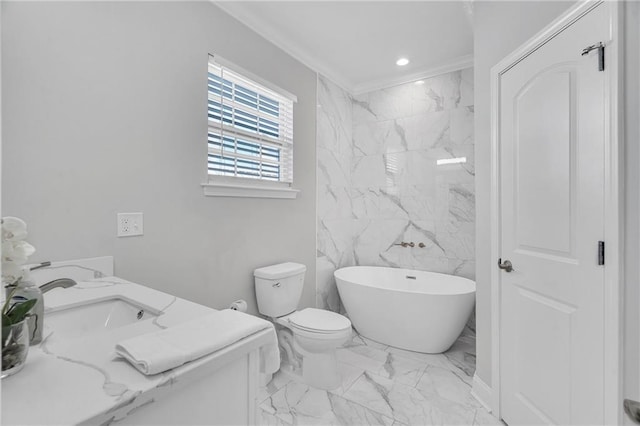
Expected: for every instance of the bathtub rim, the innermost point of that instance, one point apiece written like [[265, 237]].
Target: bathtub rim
[[405, 270]]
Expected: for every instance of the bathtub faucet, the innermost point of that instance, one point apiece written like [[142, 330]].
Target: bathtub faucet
[[411, 244], [403, 244]]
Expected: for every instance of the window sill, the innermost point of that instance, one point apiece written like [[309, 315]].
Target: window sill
[[248, 191]]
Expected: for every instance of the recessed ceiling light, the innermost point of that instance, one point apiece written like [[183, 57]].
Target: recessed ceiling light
[[419, 82], [402, 62]]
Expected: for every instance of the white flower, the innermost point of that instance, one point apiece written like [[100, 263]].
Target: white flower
[[11, 272], [16, 251], [13, 229]]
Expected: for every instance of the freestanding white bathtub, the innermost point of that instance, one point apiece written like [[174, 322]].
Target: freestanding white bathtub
[[414, 310]]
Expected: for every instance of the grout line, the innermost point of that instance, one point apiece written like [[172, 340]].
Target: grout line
[[351, 385], [364, 406], [421, 376]]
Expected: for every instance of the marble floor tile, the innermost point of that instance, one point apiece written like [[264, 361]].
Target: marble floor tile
[[278, 381], [349, 374], [445, 384], [300, 404], [382, 385], [435, 360], [402, 370], [484, 418], [358, 340], [407, 404], [463, 354], [268, 419], [365, 357], [350, 413]]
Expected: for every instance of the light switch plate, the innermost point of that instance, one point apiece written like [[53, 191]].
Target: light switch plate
[[130, 224]]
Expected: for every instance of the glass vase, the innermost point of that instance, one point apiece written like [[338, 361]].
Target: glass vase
[[15, 347]]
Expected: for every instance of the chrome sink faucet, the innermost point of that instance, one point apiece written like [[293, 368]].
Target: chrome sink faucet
[[60, 282], [31, 291]]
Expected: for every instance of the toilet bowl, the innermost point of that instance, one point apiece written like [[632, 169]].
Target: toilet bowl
[[317, 333]]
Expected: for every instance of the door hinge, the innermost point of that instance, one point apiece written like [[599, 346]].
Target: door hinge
[[600, 252], [600, 47]]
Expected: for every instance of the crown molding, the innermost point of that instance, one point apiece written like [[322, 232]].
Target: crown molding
[[310, 61], [456, 64], [256, 25]]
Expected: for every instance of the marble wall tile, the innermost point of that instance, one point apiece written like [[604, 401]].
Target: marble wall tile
[[378, 137], [384, 104], [326, 290], [387, 187], [365, 202], [454, 173], [409, 168], [419, 201], [377, 236], [390, 204], [463, 268], [333, 168], [367, 171], [466, 87], [335, 240], [428, 130], [335, 111], [439, 93], [336, 202], [461, 126]]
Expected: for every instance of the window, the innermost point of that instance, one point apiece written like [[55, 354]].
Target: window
[[250, 135]]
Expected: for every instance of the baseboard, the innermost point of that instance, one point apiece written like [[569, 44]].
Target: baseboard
[[482, 392]]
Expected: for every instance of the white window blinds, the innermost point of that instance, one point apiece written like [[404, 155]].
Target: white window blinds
[[250, 128]]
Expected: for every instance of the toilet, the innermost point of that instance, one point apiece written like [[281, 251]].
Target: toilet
[[309, 337]]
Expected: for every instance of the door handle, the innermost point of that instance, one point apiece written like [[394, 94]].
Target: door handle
[[632, 408], [506, 265]]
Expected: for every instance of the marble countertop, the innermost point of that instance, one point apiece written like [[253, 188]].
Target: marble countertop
[[81, 381]]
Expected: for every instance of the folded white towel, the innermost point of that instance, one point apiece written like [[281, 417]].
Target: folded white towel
[[163, 350]]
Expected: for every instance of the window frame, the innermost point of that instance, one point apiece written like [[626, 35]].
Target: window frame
[[235, 186]]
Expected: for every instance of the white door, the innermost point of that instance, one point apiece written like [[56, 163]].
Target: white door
[[552, 132]]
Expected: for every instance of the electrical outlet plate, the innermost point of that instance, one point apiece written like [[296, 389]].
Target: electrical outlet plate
[[130, 224]]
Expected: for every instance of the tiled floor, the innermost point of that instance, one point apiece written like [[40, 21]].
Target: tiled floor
[[384, 386]]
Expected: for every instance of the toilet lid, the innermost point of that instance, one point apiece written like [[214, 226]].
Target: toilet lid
[[319, 320]]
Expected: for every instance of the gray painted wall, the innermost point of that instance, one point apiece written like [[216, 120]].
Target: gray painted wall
[[104, 111]]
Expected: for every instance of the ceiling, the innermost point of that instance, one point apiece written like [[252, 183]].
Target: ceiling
[[356, 43]]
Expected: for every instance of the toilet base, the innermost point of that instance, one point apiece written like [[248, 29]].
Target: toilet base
[[321, 370], [301, 363], [315, 373], [318, 370]]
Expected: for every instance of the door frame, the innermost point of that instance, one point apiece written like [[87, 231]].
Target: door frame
[[613, 194]]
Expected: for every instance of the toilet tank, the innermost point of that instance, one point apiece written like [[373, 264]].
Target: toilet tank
[[278, 288]]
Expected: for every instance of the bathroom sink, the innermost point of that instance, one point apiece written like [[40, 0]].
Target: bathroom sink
[[96, 317]]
